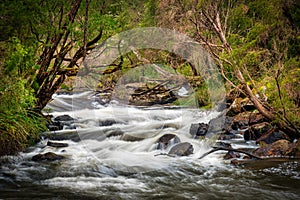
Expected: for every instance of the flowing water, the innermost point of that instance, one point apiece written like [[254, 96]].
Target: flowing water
[[102, 167]]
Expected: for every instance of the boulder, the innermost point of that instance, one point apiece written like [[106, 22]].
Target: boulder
[[50, 156], [294, 151], [199, 129], [61, 121], [219, 123], [57, 144], [257, 130], [279, 148], [167, 140], [245, 119], [272, 136], [182, 149], [64, 118]]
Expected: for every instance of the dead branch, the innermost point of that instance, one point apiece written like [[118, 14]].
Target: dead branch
[[230, 149]]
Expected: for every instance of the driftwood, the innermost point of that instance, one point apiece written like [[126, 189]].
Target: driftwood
[[230, 149]]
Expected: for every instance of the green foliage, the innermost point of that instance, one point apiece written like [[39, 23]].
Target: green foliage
[[185, 69], [21, 60], [287, 104], [150, 13], [19, 126], [200, 98]]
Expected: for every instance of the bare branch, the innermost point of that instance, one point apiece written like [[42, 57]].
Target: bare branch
[[229, 149]]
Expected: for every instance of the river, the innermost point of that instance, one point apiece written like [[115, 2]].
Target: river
[[101, 167]]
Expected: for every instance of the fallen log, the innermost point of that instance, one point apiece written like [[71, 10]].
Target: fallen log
[[230, 149]]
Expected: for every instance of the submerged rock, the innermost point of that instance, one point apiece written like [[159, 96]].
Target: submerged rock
[[50, 156], [182, 149], [62, 135], [62, 121], [57, 144], [167, 140], [131, 138], [107, 122]]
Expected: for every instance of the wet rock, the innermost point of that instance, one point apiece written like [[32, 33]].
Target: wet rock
[[64, 118], [99, 134], [107, 122], [219, 123], [131, 138], [199, 129], [167, 140], [272, 136], [62, 135], [229, 134], [57, 144], [278, 148], [53, 127], [256, 131], [138, 135], [182, 149], [294, 150], [50, 156], [245, 119], [256, 118]]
